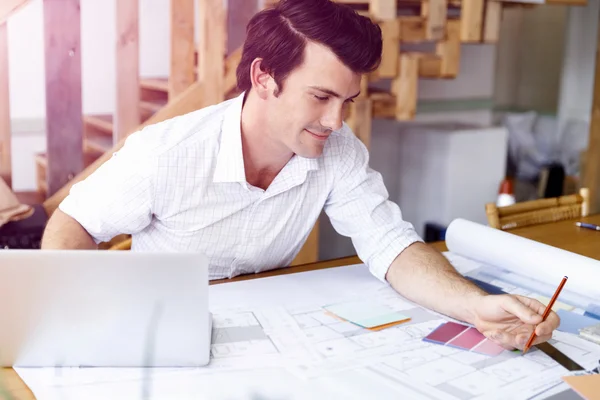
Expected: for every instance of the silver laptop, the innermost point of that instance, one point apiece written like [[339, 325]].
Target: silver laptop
[[103, 309]]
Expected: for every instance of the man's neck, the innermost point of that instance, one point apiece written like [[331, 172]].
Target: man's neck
[[264, 157]]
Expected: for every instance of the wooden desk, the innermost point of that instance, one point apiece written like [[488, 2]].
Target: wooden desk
[[564, 235]]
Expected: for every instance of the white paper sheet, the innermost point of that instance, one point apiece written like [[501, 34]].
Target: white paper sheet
[[523, 256]]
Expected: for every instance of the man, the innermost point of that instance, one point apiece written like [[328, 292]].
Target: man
[[244, 181]]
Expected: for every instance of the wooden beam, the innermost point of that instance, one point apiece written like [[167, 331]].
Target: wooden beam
[[127, 105], [181, 74], [405, 86], [449, 50], [384, 105], [13, 387], [382, 10], [430, 66], [5, 129], [239, 13], [412, 29], [211, 49], [591, 174], [491, 22], [64, 122], [361, 119], [230, 81], [188, 101], [435, 12], [360, 113], [8, 7], [390, 31], [309, 253], [471, 16]]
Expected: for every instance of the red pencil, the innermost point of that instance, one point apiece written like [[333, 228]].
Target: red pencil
[[546, 312]]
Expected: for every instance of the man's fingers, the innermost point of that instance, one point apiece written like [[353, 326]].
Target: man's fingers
[[504, 339], [516, 307], [548, 326], [541, 339], [522, 338], [535, 305]]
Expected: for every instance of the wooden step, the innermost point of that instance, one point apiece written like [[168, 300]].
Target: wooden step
[[149, 108], [154, 90], [101, 123], [384, 104], [41, 161], [156, 84], [97, 143], [30, 198], [89, 157]]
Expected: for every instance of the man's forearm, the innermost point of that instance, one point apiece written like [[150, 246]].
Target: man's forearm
[[423, 275], [63, 232]]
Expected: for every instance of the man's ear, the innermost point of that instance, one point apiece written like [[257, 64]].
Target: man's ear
[[262, 82]]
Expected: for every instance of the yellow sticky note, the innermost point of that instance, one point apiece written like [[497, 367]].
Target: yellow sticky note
[[557, 304]]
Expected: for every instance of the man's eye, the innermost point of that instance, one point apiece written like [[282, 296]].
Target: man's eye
[[320, 98]]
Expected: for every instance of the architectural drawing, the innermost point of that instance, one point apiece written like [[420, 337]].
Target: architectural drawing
[[430, 371]]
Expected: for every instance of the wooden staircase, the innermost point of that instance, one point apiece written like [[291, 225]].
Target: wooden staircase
[[198, 82], [98, 129]]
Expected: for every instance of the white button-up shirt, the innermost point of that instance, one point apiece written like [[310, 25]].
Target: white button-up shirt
[[180, 185]]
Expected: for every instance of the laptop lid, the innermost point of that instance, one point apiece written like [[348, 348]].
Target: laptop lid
[[103, 309]]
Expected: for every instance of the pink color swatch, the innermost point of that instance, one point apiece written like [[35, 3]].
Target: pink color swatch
[[463, 337], [467, 340], [445, 332], [488, 347]]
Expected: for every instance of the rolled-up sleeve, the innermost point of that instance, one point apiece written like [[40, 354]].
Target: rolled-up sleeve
[[359, 208], [118, 197]]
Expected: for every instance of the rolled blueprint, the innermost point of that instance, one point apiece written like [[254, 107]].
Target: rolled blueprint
[[525, 257]]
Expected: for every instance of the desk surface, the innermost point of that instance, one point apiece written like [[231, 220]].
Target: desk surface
[[564, 235]]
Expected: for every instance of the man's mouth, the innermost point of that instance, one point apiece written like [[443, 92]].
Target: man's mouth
[[321, 136]]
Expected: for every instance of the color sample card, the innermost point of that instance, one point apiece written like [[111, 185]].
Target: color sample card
[[463, 337], [467, 340], [366, 314], [445, 332], [572, 323]]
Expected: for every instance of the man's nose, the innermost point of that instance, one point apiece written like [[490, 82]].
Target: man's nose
[[333, 120]]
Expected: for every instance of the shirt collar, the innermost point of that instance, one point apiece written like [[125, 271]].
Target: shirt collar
[[230, 159]]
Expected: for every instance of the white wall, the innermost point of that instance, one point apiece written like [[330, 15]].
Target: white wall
[[530, 54], [579, 62], [475, 79], [26, 62]]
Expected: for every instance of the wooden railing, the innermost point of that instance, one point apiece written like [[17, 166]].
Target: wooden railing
[[5, 129], [7, 8], [184, 89]]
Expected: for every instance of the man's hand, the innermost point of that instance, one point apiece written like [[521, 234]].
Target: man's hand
[[509, 320]]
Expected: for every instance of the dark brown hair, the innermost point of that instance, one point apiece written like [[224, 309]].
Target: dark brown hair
[[278, 35]]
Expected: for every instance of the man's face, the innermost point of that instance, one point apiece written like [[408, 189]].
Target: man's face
[[313, 102]]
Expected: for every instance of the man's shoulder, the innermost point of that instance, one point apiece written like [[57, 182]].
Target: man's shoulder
[[181, 131]]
